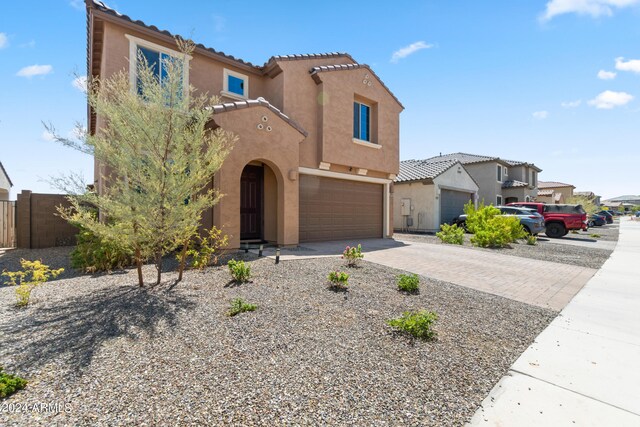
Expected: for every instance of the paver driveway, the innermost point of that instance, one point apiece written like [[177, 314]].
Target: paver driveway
[[542, 283]]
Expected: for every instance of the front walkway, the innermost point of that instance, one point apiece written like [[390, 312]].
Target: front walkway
[[542, 283], [584, 368]]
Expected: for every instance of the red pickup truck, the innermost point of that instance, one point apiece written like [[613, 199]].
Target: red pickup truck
[[558, 219]]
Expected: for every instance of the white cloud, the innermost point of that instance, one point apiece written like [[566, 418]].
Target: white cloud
[[593, 8], [77, 4], [4, 40], [47, 136], [35, 70], [29, 44], [219, 23], [606, 75], [571, 104], [609, 99], [80, 83], [540, 115], [408, 50], [630, 65]]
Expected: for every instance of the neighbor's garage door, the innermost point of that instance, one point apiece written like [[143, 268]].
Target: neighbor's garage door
[[335, 209], [452, 204]]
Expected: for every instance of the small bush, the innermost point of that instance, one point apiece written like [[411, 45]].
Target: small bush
[[9, 384], [451, 234], [408, 282], [93, 253], [477, 219], [33, 274], [490, 229], [418, 324], [532, 240], [240, 271], [238, 306], [206, 249], [595, 235], [353, 255], [338, 279]]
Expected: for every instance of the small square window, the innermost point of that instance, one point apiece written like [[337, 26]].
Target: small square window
[[235, 84], [361, 121]]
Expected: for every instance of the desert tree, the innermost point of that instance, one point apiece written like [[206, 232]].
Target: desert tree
[[157, 156]]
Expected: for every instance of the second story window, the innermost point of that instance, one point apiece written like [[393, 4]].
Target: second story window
[[361, 121], [499, 173], [156, 61], [235, 85], [534, 177]]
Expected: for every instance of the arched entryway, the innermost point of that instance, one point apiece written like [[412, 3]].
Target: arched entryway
[[259, 191], [510, 200]]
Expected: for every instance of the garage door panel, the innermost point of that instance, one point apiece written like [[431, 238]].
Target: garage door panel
[[452, 204], [332, 209]]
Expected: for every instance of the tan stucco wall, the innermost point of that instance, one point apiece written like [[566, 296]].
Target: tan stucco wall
[[485, 174], [278, 149], [423, 205], [5, 186]]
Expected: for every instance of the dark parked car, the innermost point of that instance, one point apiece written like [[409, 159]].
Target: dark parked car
[[532, 221], [596, 220], [607, 216]]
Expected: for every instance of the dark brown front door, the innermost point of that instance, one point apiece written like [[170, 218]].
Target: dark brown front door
[[251, 203]]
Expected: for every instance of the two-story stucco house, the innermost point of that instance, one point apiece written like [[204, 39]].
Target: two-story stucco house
[[318, 134], [554, 192], [499, 181]]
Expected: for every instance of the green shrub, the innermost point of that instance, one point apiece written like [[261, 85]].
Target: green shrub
[[408, 282], [238, 306], [353, 255], [419, 324], [532, 240], [595, 235], [451, 234], [93, 253], [240, 271], [478, 218], [206, 249], [9, 384], [33, 274], [338, 279], [490, 229]]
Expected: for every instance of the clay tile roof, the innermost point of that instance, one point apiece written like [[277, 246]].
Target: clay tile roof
[[514, 184], [342, 67], [466, 158], [99, 5], [237, 105], [552, 184], [296, 57], [417, 170], [548, 192], [6, 174]]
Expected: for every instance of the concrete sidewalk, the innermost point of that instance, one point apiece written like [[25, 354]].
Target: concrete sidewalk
[[584, 368]]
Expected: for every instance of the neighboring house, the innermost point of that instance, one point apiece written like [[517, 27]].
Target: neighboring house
[[318, 134], [622, 203], [552, 192], [500, 181], [430, 193], [5, 183], [589, 195]]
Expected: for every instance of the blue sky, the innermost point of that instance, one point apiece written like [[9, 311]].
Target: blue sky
[[556, 83]]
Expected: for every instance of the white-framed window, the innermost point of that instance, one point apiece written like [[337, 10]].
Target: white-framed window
[[156, 56], [527, 198], [499, 175], [498, 200], [235, 85], [534, 179], [361, 121], [505, 171]]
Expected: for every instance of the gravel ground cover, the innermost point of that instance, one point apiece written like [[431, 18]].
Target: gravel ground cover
[[117, 354], [547, 249]]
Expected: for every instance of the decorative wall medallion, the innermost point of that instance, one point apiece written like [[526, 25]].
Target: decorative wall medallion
[[265, 118], [269, 129], [367, 80], [260, 126]]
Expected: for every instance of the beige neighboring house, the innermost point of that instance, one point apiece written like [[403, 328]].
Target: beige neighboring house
[[5, 183], [318, 144], [552, 192], [427, 194], [589, 195], [500, 181]]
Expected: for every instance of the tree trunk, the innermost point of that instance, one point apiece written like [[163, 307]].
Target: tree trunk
[[159, 266], [139, 266], [183, 259]]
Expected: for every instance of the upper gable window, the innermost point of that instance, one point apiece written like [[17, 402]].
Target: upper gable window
[[235, 85], [362, 121], [157, 57], [499, 173]]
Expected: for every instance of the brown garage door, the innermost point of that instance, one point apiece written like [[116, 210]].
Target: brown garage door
[[335, 209]]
